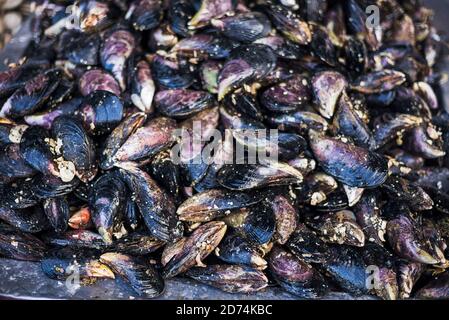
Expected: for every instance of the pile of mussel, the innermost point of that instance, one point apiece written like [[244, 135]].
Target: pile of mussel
[[358, 201]]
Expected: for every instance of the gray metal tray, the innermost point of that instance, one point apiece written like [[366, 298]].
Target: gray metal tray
[[25, 280]]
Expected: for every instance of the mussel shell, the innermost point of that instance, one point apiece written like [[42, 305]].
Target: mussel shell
[[157, 208], [75, 239], [230, 278], [76, 146], [96, 15], [146, 14], [166, 173], [181, 103], [180, 12], [244, 27], [236, 250], [12, 163], [250, 176], [215, 203], [246, 63], [347, 268], [210, 9], [204, 46], [101, 111], [98, 79], [295, 276], [115, 50], [30, 220], [307, 246], [46, 186], [32, 95], [289, 24], [327, 87], [118, 137], [137, 244], [354, 166], [20, 246], [58, 212], [191, 253], [19, 195], [80, 48], [106, 200], [143, 278], [170, 74], [287, 96], [147, 141]]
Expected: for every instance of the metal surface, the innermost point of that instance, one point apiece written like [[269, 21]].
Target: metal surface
[[25, 280]]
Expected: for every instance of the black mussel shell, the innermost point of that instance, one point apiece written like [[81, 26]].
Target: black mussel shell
[[80, 48], [107, 200], [171, 74], [31, 220], [182, 103], [58, 213], [20, 246], [100, 112], [76, 146], [146, 14]]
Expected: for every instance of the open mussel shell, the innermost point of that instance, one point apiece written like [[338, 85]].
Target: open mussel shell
[[20, 246], [196, 248], [296, 276], [143, 278], [230, 278]]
